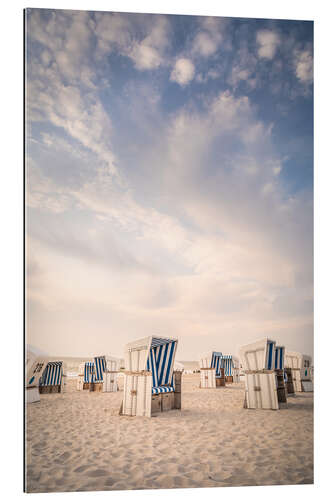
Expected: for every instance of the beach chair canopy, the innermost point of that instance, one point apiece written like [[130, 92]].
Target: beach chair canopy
[[293, 360], [52, 374], [297, 360], [154, 354], [212, 360], [216, 363], [279, 357], [258, 355], [228, 364], [100, 367], [35, 372], [89, 372]]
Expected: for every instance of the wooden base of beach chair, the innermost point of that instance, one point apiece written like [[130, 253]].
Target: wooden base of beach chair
[[281, 388], [97, 387], [167, 401], [86, 386], [45, 389], [289, 384], [220, 382], [156, 404], [229, 379], [178, 401], [178, 390]]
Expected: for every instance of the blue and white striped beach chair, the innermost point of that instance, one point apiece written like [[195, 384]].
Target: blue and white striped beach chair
[[89, 374], [52, 377], [150, 383], [106, 372], [231, 368], [211, 373]]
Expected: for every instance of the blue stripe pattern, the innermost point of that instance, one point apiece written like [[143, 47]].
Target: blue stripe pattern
[[279, 358], [52, 374], [158, 390], [270, 356], [89, 372], [216, 363], [228, 365], [160, 363], [100, 366]]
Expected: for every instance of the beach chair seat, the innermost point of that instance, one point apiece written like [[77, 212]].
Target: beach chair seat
[[159, 390]]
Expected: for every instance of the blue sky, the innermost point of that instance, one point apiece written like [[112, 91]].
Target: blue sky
[[169, 181]]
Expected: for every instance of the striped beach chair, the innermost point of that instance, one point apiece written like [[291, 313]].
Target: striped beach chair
[[150, 383], [211, 370], [89, 374], [52, 378], [106, 372], [231, 368]]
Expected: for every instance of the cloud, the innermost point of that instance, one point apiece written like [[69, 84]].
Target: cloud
[[210, 36], [54, 93], [183, 72], [145, 57], [304, 66], [268, 42], [204, 44], [120, 32]]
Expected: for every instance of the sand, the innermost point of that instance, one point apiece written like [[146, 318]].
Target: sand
[[76, 441]]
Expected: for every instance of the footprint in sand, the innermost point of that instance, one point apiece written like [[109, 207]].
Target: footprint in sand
[[82, 468], [97, 473]]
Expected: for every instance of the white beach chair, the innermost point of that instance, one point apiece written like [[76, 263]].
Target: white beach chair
[[258, 360], [300, 365], [33, 374]]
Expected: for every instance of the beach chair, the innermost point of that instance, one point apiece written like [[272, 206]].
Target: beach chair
[[151, 385], [300, 366], [88, 375], [230, 364], [33, 374], [211, 371], [51, 380], [258, 362], [106, 372]]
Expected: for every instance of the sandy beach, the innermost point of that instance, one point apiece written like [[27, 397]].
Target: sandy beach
[[76, 441]]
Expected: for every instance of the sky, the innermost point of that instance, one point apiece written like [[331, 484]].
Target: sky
[[169, 181]]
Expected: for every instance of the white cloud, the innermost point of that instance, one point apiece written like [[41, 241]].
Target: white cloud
[[304, 66], [267, 41], [119, 32], [210, 37], [183, 72], [145, 57], [204, 44]]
